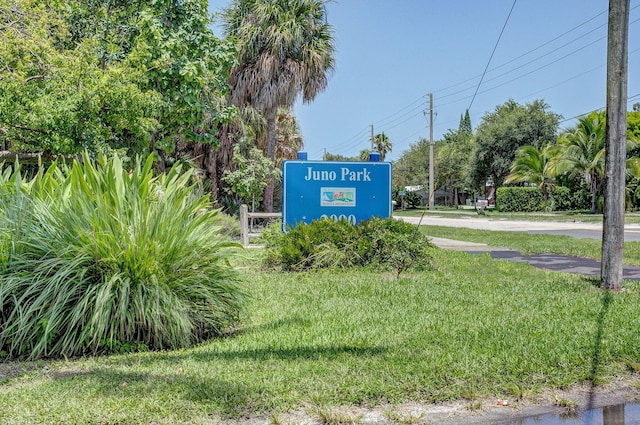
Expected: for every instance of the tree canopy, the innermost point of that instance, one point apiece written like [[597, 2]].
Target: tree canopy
[[109, 74], [285, 49], [501, 133]]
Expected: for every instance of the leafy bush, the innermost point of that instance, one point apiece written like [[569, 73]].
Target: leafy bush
[[562, 198], [413, 199], [567, 199], [408, 200], [96, 258], [519, 199], [529, 199], [378, 243]]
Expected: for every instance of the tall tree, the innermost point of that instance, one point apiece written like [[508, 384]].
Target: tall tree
[[453, 160], [501, 133], [285, 48], [383, 144], [411, 168], [583, 153], [110, 74]]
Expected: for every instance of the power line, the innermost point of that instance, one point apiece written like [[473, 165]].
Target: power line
[[492, 53]]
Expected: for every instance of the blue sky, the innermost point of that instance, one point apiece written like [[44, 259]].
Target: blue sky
[[391, 53]]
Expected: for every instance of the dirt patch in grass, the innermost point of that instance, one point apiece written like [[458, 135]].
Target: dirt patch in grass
[[466, 412]]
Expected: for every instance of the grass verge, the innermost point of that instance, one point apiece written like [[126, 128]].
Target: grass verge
[[559, 216], [321, 339], [533, 243]]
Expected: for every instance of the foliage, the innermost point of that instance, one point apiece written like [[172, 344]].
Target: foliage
[[502, 132], [453, 159], [633, 185], [359, 338], [562, 199], [383, 144], [412, 167], [582, 153], [411, 199], [109, 75], [337, 157], [535, 166], [96, 257], [377, 243], [252, 175], [520, 199], [285, 49]]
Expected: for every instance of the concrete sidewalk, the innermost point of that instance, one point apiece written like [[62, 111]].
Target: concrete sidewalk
[[555, 262]]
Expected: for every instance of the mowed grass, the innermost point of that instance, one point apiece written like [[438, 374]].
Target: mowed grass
[[534, 243], [471, 328], [559, 216]]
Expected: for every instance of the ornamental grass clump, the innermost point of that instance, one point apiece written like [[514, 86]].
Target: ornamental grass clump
[[97, 258]]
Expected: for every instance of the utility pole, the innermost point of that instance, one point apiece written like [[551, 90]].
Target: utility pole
[[431, 185], [615, 145], [371, 137]]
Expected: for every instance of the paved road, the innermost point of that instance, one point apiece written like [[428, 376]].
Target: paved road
[[574, 229]]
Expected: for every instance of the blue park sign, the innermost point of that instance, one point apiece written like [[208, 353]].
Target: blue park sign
[[353, 191]]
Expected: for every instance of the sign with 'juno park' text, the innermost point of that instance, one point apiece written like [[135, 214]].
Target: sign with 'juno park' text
[[353, 191]]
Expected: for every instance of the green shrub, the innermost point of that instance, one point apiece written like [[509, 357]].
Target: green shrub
[[413, 199], [97, 258], [377, 243], [519, 199], [562, 198]]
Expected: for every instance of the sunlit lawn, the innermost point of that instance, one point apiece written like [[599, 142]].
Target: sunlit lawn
[[560, 216], [470, 328]]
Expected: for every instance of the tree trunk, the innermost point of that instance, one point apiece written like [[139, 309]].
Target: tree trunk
[[594, 195], [271, 154], [615, 145]]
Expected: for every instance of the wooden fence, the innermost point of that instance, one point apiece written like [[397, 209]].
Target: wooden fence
[[246, 216]]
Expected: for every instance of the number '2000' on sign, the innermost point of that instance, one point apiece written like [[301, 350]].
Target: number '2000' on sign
[[337, 197]]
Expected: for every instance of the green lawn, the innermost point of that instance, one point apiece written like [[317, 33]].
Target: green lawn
[[534, 243], [560, 216], [470, 328]]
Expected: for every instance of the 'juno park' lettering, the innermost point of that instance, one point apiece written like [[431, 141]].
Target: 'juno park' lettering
[[346, 174]]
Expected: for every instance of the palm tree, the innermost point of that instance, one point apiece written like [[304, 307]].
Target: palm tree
[[583, 151], [633, 176], [535, 166], [383, 144], [285, 48], [288, 137]]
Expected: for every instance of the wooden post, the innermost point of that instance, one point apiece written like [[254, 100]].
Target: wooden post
[[615, 145], [244, 225]]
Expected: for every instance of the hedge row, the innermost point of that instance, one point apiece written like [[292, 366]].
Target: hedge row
[[529, 199]]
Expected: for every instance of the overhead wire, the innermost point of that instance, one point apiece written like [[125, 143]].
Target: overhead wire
[[492, 53], [411, 110]]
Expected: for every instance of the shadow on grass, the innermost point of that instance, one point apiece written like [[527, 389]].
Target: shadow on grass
[[296, 353], [157, 393], [161, 381], [607, 298]]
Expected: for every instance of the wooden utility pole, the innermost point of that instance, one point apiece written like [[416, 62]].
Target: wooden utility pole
[[372, 149], [615, 145], [432, 195]]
